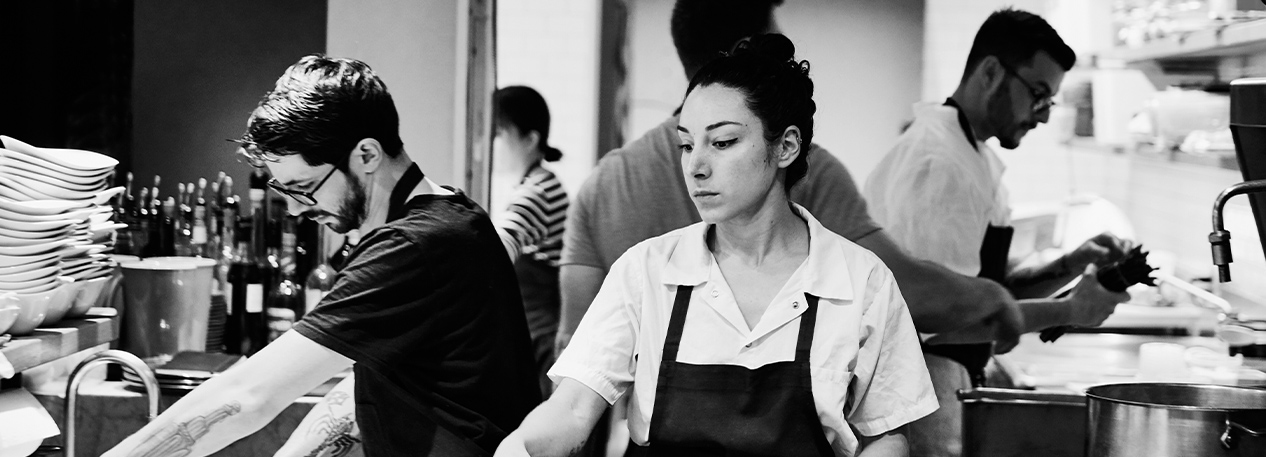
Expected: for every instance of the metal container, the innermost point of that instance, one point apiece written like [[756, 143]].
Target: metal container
[[1175, 420], [1010, 422]]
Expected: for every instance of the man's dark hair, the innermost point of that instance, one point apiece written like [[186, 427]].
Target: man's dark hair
[[320, 109], [705, 29], [1014, 37], [776, 87]]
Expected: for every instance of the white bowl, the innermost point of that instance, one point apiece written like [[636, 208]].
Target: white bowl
[[61, 302], [31, 275], [8, 241], [38, 289], [88, 295], [14, 261], [10, 157], [33, 250], [41, 190], [33, 307], [23, 176], [52, 262], [25, 194], [74, 159], [40, 207], [42, 226], [36, 235], [102, 198], [99, 218], [76, 216], [28, 285], [8, 163], [9, 310]]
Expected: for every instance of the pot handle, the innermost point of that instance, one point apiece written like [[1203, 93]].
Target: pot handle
[[1230, 438]]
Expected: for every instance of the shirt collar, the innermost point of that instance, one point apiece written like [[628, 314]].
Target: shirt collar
[[963, 122], [400, 193], [826, 275]]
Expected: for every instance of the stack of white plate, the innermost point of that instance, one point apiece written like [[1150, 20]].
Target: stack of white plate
[[55, 226]]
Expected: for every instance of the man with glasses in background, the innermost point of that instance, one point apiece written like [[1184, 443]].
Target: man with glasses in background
[[426, 310], [939, 194]]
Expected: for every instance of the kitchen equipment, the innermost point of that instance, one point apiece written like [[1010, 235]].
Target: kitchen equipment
[[129, 361], [1175, 420], [1006, 422], [168, 301], [1248, 129]]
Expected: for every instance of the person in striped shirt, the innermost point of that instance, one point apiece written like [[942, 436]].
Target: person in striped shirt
[[531, 224]]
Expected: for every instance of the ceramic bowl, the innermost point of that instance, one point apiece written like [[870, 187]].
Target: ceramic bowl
[[10, 157], [40, 207], [22, 175], [39, 189], [63, 299], [24, 286], [87, 297], [31, 275], [14, 261], [28, 266], [9, 310], [33, 307], [44, 226], [102, 198], [46, 235], [33, 250], [78, 216], [74, 159], [11, 164]]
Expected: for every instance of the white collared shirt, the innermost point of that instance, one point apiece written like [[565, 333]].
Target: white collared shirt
[[935, 194], [865, 362]]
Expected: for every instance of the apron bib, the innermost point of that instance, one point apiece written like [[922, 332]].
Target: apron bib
[[729, 410]]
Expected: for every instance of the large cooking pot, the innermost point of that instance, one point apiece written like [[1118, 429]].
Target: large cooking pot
[[1175, 420]]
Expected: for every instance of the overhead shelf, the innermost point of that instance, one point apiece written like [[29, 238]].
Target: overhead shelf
[[1238, 39]]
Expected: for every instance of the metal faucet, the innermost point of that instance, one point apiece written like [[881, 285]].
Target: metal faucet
[[1220, 239], [102, 358]]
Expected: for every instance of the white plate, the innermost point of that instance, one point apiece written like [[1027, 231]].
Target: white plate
[[30, 275], [106, 227], [70, 252], [10, 156], [28, 266], [8, 163], [38, 189], [34, 249], [99, 218], [7, 192], [73, 265], [40, 207], [103, 198], [10, 242], [39, 289], [23, 175], [42, 226], [47, 235], [10, 261], [22, 286], [70, 158], [77, 216], [92, 274]]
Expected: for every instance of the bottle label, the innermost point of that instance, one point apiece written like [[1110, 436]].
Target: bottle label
[[228, 292], [199, 234], [257, 195], [280, 320], [254, 298], [312, 298]]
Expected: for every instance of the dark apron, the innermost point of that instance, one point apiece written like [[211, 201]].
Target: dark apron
[[729, 410], [993, 266]]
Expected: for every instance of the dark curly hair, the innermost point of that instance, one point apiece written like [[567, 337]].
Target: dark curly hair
[[525, 109], [320, 108], [777, 89]]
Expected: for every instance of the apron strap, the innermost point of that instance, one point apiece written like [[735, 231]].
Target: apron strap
[[675, 323], [808, 322]]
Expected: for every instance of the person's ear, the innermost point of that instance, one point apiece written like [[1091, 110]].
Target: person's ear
[[990, 74], [534, 140], [789, 147], [366, 157]]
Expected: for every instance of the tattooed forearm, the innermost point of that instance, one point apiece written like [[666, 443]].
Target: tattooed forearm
[[341, 436], [178, 440]]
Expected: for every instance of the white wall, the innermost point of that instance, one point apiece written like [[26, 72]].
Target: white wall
[[552, 46], [412, 46], [866, 67]]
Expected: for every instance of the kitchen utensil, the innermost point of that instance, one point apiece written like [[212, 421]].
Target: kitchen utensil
[[1120, 275], [1013, 422], [168, 301], [1173, 420]]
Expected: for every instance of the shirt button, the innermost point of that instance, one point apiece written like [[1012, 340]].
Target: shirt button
[[716, 293], [795, 305]]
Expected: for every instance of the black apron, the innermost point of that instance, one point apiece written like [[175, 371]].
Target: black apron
[[729, 410], [993, 266]]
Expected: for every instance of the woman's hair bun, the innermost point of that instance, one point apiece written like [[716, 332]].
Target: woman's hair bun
[[552, 154], [772, 46]]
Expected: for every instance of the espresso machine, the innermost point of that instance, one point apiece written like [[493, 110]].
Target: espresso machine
[[1248, 129]]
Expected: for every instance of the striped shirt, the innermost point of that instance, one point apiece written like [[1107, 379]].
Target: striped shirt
[[533, 222]]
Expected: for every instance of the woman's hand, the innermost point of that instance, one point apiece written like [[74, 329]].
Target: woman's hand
[[1089, 303]]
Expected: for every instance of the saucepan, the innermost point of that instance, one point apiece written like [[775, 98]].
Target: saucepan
[[1175, 420]]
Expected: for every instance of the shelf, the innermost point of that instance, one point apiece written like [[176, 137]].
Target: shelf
[[64, 338], [1238, 39]]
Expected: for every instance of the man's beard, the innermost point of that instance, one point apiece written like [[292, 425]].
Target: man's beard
[[352, 210], [1009, 129]]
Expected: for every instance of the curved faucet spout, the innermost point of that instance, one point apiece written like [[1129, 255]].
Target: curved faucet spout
[[126, 359], [1220, 239]]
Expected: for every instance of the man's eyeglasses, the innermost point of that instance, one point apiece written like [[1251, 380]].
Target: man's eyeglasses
[[1041, 98], [301, 196]]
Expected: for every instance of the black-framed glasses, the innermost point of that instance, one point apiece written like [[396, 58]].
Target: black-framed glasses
[[304, 197], [1041, 98]]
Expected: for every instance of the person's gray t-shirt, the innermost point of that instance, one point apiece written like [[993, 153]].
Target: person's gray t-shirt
[[637, 192]]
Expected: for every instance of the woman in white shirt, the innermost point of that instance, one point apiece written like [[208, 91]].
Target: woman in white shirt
[[756, 331]]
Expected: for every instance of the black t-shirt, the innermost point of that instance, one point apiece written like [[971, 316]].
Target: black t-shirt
[[429, 308]]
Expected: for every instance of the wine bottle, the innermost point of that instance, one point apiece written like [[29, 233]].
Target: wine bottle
[[198, 226], [321, 278], [286, 299], [245, 333]]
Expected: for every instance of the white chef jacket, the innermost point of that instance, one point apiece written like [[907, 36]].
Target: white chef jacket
[[935, 194], [865, 362]]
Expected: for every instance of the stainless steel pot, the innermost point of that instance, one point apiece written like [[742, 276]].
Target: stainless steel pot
[[1175, 420]]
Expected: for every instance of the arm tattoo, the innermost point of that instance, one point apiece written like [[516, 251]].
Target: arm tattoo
[[341, 434], [179, 440]]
